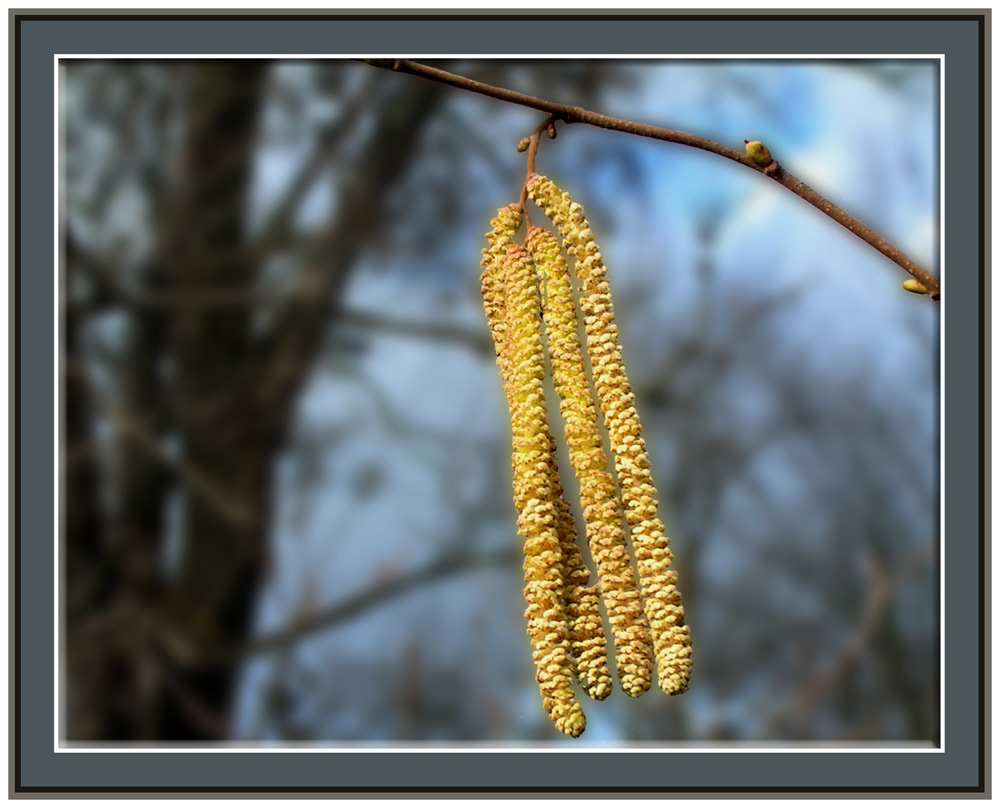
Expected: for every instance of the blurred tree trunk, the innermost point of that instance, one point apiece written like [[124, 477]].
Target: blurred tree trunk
[[210, 596], [205, 398]]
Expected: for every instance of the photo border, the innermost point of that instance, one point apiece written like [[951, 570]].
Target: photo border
[[39, 769]]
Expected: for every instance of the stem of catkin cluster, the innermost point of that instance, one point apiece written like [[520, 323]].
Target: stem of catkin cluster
[[599, 494], [661, 598]]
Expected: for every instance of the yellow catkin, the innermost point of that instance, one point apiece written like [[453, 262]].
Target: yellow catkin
[[599, 494], [537, 513], [587, 640], [661, 598], [504, 226], [511, 301]]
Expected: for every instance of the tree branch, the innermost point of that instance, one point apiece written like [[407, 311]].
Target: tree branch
[[329, 139], [572, 114], [451, 333], [336, 614], [884, 587]]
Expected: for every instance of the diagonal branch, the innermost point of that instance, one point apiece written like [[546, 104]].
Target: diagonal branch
[[298, 330], [329, 139], [448, 566], [572, 114], [883, 589]]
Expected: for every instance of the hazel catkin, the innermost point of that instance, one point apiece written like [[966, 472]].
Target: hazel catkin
[[511, 301], [599, 495], [661, 598], [547, 625], [588, 655], [503, 228], [588, 644]]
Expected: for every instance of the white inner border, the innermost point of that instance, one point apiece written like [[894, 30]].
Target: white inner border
[[325, 747]]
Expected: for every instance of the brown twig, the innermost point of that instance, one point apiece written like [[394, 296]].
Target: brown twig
[[572, 114], [531, 145]]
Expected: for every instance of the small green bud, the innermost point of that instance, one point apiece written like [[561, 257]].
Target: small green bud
[[915, 286], [522, 146], [758, 152]]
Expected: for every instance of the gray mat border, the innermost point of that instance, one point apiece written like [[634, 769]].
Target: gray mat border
[[38, 769]]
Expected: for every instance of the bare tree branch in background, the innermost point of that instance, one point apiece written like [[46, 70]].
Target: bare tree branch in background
[[380, 594], [884, 586]]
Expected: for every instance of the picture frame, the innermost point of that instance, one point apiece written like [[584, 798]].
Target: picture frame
[[40, 768]]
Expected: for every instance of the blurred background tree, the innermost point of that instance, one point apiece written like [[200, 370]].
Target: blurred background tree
[[285, 451]]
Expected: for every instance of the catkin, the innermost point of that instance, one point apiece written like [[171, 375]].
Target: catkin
[[588, 643], [504, 226], [599, 495], [588, 655], [547, 626], [661, 598], [511, 301]]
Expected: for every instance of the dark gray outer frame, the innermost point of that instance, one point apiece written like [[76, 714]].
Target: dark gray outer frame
[[961, 38]]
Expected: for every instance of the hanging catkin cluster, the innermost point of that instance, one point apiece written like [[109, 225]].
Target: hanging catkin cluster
[[564, 621]]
